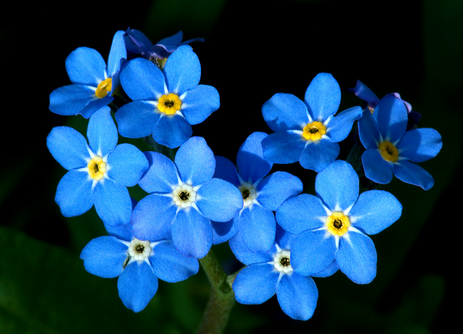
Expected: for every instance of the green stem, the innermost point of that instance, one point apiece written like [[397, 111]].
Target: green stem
[[221, 300]]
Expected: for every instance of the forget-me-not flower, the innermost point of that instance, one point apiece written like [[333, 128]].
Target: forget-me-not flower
[[307, 131], [335, 224], [138, 264], [165, 103], [391, 149], [184, 198], [98, 172], [262, 194], [93, 83]]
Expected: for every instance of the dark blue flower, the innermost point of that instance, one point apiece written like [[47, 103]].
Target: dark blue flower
[[165, 103], [99, 172], [93, 83], [335, 224], [184, 198], [138, 264], [391, 149], [262, 194], [308, 131]]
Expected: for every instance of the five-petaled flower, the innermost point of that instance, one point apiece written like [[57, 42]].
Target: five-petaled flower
[[184, 198], [93, 83], [391, 149], [262, 194], [165, 103], [98, 172], [335, 224], [308, 131], [138, 264]]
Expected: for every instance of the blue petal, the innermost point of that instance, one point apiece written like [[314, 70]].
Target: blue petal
[[170, 265], [152, 217], [318, 155], [137, 119], [366, 94], [340, 125], [257, 228], [255, 284], [117, 53], [68, 147], [102, 132], [301, 213], [285, 112], [245, 256], [95, 105], [297, 296], [323, 96], [219, 200], [411, 173], [199, 103], [104, 257], [392, 118], [182, 70], [283, 147], [337, 185], [137, 285], [172, 131], [312, 252], [376, 168], [222, 232], [328, 271], [226, 170], [161, 175], [74, 194], [85, 66], [250, 158], [356, 257], [127, 165], [276, 188], [121, 232], [112, 202], [195, 161], [420, 145], [142, 80], [374, 211], [138, 43], [74, 99], [368, 131]]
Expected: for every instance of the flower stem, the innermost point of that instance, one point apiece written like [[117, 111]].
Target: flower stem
[[221, 300]]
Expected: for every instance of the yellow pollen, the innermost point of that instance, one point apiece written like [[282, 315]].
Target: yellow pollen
[[337, 223], [169, 104], [96, 168], [314, 131], [103, 88], [388, 151]]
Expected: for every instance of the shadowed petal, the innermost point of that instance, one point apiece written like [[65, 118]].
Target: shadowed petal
[[161, 175], [137, 119], [250, 158], [340, 125], [376, 168], [318, 155], [420, 145], [172, 131], [276, 188], [283, 147], [411, 173], [392, 118]]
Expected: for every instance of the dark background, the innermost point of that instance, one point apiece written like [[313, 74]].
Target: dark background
[[252, 50]]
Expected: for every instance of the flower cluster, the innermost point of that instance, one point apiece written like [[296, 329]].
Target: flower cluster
[[194, 199]]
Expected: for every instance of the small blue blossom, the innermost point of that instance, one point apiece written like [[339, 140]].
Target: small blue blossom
[[184, 198], [98, 172], [262, 194], [335, 224], [93, 83], [269, 273], [138, 264], [165, 103], [391, 149], [307, 131]]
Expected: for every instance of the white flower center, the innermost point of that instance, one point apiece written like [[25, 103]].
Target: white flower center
[[184, 195], [249, 193], [139, 250], [281, 262]]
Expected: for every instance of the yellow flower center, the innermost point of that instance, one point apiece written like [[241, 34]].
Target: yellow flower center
[[96, 168], [337, 223], [104, 88], [314, 131], [169, 104], [388, 151]]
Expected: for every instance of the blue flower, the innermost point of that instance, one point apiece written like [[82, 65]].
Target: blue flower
[[391, 149], [308, 131], [165, 103], [93, 83], [99, 172], [262, 194], [269, 273], [184, 198], [138, 264], [335, 224]]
